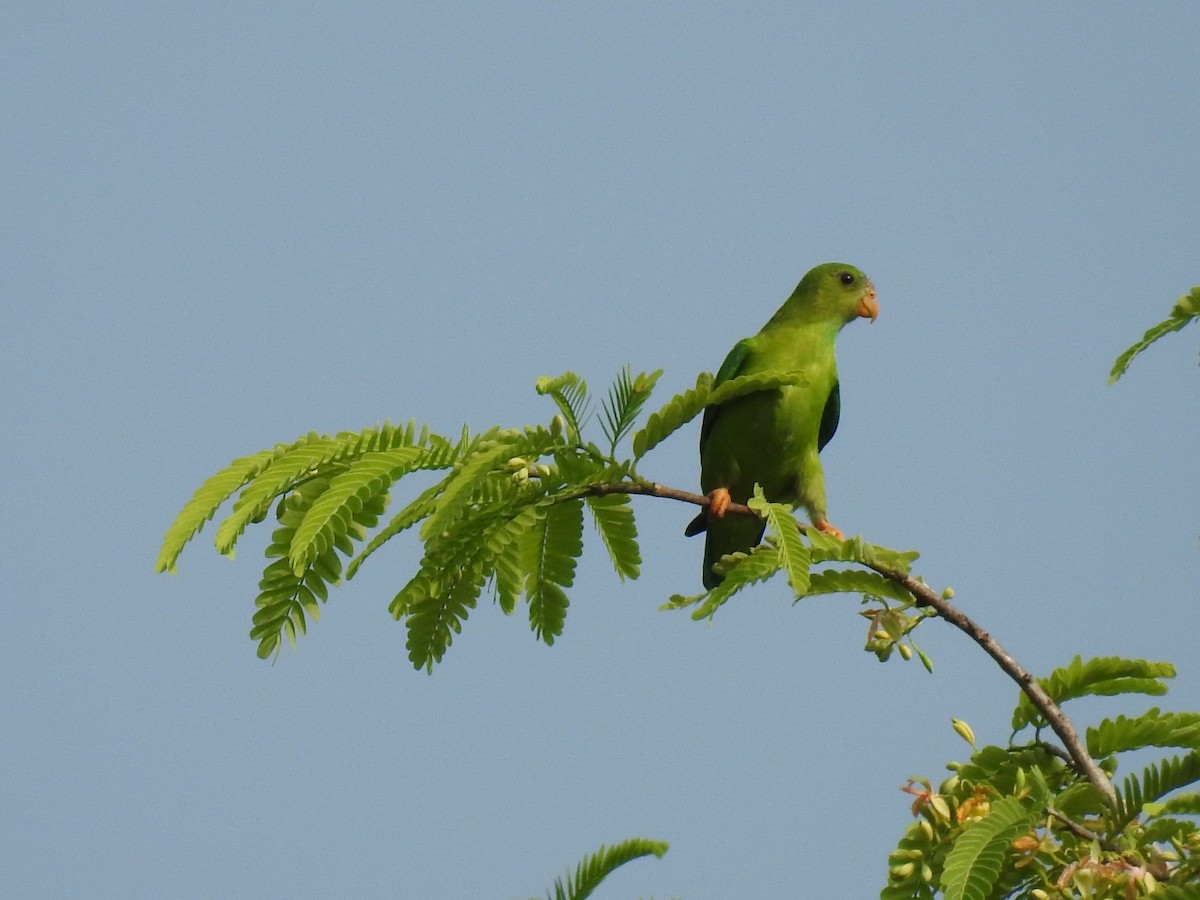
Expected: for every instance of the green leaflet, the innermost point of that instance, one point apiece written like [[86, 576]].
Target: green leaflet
[[1185, 311], [1156, 782], [300, 461], [972, 867], [557, 543], [475, 466], [1182, 804], [570, 394], [413, 513], [205, 502], [595, 867], [682, 408], [625, 400], [282, 476], [512, 548], [679, 410], [422, 506], [435, 618], [829, 549], [741, 569], [856, 581], [368, 477], [1101, 676], [451, 576], [530, 544], [793, 555], [1171, 892], [1151, 729], [613, 517], [288, 597], [507, 514]]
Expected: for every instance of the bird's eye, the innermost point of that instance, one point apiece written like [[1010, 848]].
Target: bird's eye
[[846, 278]]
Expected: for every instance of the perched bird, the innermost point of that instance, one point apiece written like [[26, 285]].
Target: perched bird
[[773, 437]]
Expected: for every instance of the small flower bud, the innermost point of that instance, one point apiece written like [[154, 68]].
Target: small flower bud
[[940, 807], [948, 594], [964, 731]]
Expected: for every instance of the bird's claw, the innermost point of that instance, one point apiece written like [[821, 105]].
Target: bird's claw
[[718, 502], [823, 526]]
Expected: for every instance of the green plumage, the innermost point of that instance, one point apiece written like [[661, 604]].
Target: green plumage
[[773, 437]]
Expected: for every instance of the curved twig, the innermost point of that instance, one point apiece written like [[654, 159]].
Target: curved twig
[[924, 595]]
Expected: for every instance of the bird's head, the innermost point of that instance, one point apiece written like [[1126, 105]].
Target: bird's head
[[835, 292]]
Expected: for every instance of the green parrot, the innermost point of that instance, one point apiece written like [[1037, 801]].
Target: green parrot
[[773, 437]]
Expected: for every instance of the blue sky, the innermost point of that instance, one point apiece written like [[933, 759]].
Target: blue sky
[[228, 224]]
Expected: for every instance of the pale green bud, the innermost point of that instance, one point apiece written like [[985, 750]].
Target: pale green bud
[[964, 731], [940, 807]]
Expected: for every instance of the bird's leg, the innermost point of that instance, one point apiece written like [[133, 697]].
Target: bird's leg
[[718, 502], [823, 526]]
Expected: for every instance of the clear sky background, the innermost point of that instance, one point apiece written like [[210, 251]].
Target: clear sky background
[[227, 224]]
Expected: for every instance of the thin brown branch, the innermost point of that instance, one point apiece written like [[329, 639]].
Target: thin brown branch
[[1079, 830], [926, 596]]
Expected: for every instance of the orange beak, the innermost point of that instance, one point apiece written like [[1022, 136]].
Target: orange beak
[[868, 307]]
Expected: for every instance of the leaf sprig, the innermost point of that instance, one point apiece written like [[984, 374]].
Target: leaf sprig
[[507, 512]]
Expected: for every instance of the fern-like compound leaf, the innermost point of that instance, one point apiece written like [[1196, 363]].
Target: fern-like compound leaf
[[677, 412], [613, 516], [1151, 729], [1185, 311], [682, 408], [826, 548], [741, 570], [256, 498], [793, 555], [369, 476], [511, 548], [414, 512], [597, 866], [625, 400], [856, 581], [973, 865], [207, 500], [489, 456], [434, 619], [558, 544], [1102, 676], [570, 394], [1156, 782]]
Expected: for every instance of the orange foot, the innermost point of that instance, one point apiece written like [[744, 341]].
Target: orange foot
[[823, 526], [718, 502]]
